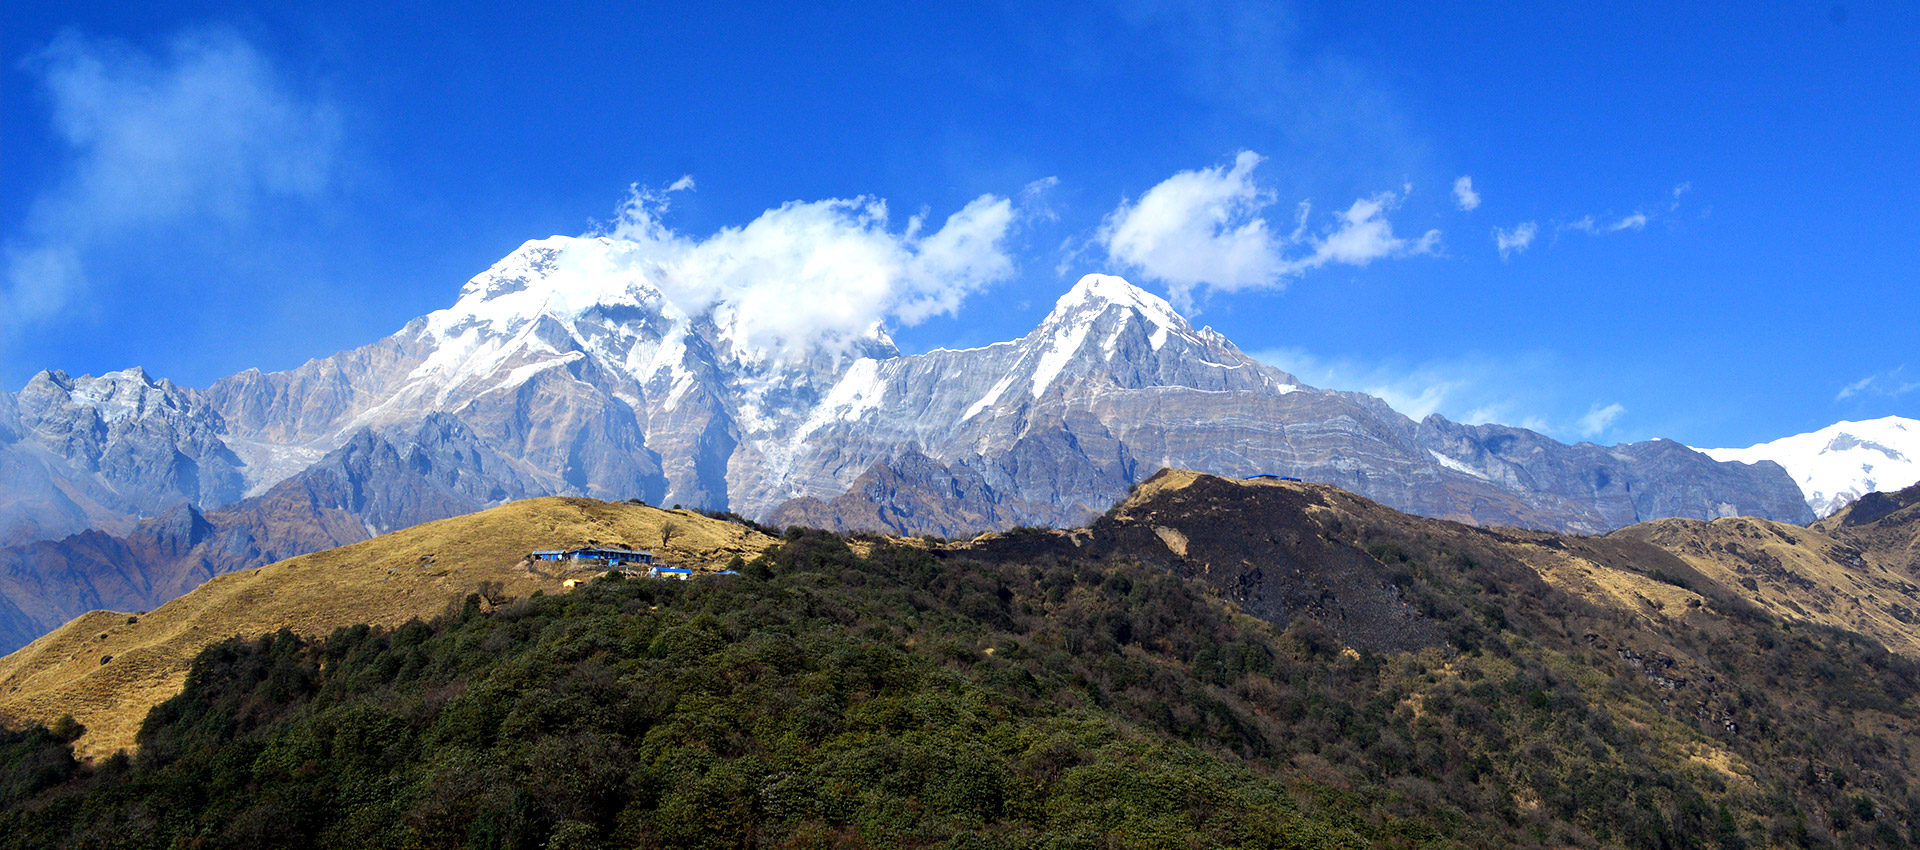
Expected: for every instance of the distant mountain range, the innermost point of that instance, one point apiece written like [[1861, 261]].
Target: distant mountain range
[[565, 369], [1842, 462]]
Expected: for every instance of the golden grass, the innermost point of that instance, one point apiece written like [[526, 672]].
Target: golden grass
[[1796, 573], [414, 572]]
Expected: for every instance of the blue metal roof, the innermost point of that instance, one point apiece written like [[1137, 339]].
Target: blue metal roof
[[601, 552]]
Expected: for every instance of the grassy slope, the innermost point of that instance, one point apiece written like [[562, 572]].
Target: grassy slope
[[415, 572], [1588, 692], [1858, 569]]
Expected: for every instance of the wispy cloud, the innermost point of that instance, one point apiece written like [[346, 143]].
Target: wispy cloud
[[1336, 111], [204, 133], [1674, 202], [1890, 384], [820, 274], [1636, 221], [1516, 239], [1594, 227], [1463, 194], [1509, 390], [1600, 418], [1207, 228]]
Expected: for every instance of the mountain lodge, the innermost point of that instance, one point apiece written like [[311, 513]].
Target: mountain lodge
[[608, 555]]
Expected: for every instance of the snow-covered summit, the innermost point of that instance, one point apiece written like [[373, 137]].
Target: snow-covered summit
[[561, 276], [1096, 293], [1843, 461]]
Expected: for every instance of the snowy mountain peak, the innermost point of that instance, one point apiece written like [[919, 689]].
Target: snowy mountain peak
[[1843, 461], [560, 276], [1096, 293]]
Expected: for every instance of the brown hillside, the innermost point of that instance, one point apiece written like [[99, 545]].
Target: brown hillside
[[1280, 549], [1855, 570], [1885, 527], [1284, 549], [108, 669]]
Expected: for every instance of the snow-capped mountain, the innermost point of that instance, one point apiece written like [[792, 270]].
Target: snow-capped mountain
[[1843, 461], [569, 369]]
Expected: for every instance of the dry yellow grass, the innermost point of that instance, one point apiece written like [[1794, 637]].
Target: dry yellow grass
[[414, 572], [1798, 574], [1628, 591]]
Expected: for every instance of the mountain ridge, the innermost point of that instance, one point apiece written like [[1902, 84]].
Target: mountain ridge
[[1490, 686], [565, 369], [568, 359]]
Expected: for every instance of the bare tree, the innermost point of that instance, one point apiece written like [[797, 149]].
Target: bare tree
[[668, 531], [493, 592]]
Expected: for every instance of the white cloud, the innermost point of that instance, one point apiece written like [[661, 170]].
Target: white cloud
[[205, 133], [819, 274], [1598, 419], [1204, 228], [1855, 388], [1033, 204], [1463, 194], [1593, 227], [1890, 384], [1515, 240]]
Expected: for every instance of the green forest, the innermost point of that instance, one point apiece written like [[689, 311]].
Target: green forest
[[908, 698]]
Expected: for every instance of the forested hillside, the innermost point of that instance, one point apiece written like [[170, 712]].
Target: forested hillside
[[1109, 687]]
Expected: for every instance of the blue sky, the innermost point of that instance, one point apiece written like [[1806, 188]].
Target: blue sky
[[1707, 215]]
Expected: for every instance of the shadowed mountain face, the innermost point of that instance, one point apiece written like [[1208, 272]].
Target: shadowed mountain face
[[915, 495], [374, 484]]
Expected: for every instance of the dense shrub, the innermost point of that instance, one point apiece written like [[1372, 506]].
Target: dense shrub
[[902, 700]]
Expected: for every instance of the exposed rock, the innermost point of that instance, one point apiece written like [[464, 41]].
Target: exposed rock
[[565, 369], [913, 495], [152, 443], [370, 486]]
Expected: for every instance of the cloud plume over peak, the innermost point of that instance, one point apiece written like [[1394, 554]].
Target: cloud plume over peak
[[1206, 228], [813, 274]]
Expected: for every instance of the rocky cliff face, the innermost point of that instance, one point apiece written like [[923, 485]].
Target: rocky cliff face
[[1114, 386], [566, 369], [376, 483], [148, 441], [915, 496]]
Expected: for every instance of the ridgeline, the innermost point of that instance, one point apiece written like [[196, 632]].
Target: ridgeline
[[1211, 663]]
